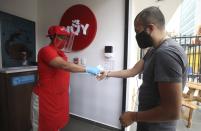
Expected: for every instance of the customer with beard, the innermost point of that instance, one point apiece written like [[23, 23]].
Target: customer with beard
[[164, 75]]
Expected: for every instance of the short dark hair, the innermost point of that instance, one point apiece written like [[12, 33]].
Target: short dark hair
[[151, 15]]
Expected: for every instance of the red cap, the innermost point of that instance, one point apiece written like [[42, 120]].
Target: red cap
[[58, 30]]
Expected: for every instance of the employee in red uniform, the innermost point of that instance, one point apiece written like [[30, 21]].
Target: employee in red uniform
[[50, 100]]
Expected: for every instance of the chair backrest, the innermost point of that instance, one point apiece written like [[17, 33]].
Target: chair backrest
[[194, 91]]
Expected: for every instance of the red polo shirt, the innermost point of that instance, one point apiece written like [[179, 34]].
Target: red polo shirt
[[52, 89]]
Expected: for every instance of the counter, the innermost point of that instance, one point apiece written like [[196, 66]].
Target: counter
[[18, 69], [16, 84]]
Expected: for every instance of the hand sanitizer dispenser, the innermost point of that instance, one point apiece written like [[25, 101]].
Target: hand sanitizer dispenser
[[109, 57], [108, 52]]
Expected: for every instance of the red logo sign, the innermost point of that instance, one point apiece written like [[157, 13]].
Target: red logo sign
[[80, 20]]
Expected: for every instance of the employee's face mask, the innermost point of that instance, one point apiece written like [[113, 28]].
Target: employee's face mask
[[69, 43], [144, 40], [64, 43]]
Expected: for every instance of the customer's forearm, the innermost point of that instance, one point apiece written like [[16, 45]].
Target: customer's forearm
[[119, 74], [158, 114]]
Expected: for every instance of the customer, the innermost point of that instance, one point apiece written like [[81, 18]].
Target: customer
[[50, 100], [164, 75]]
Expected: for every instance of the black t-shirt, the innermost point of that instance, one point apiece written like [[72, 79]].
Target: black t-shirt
[[167, 63]]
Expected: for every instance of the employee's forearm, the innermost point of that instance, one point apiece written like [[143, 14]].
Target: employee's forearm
[[71, 67]]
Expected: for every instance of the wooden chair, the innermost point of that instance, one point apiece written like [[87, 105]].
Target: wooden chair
[[190, 101]]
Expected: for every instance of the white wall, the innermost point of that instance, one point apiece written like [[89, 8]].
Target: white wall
[[91, 99], [23, 8]]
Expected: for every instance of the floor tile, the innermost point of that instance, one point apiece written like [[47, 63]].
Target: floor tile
[[78, 125], [81, 125], [100, 129]]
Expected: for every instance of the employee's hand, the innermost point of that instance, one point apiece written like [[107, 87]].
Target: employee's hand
[[126, 118], [93, 70]]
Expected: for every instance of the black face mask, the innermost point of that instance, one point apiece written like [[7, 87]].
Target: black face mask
[[144, 40]]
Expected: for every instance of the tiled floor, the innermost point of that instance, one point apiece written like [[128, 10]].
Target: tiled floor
[[181, 125], [196, 124], [80, 125]]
